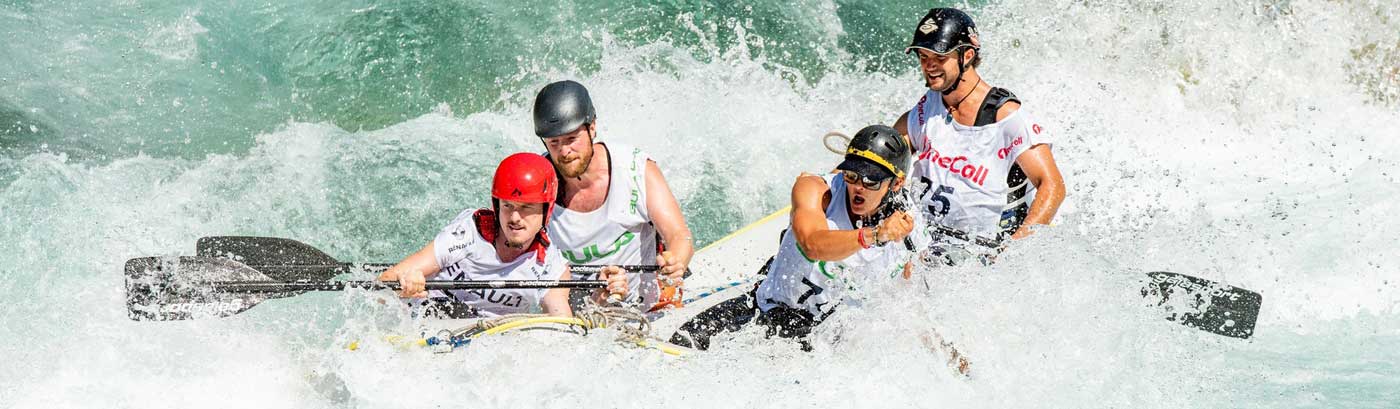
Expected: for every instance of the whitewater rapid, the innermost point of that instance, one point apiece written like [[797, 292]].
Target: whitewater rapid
[[1246, 142]]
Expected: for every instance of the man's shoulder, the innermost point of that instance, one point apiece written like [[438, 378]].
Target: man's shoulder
[[812, 178], [812, 187], [1010, 107]]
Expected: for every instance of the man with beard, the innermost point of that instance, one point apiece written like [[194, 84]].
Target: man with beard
[[976, 148], [506, 242], [613, 202]]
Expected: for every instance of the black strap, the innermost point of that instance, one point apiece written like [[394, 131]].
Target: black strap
[[997, 97], [986, 115]]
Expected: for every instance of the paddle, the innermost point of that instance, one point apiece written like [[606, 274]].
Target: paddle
[[964, 236], [1193, 301], [279, 258], [291, 260], [181, 288], [1205, 305]]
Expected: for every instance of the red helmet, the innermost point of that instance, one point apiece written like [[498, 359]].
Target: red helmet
[[525, 177]]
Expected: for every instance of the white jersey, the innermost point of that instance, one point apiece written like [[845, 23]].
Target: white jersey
[[961, 171], [795, 281], [465, 251], [619, 232]]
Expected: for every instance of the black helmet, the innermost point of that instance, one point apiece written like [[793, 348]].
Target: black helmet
[[945, 30], [562, 107], [877, 152]]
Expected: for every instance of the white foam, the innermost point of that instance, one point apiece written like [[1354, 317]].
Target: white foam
[[1196, 137]]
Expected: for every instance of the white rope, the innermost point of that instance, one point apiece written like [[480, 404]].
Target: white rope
[[836, 149]]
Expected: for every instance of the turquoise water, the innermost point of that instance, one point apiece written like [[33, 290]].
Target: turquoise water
[[1247, 142]]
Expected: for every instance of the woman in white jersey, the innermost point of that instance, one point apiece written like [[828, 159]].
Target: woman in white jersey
[[506, 242], [984, 165], [614, 204]]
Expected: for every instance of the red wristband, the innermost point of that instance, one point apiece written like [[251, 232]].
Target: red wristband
[[860, 238]]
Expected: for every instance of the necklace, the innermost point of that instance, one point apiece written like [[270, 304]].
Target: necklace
[[964, 98]]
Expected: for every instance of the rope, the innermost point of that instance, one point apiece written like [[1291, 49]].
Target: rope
[[836, 149], [633, 327]]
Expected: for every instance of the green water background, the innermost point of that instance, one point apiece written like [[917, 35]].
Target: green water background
[[1242, 141]]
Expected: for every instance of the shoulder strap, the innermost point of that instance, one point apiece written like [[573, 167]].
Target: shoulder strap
[[485, 220], [1017, 208], [995, 99]]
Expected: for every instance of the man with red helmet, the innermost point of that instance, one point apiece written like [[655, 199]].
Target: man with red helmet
[[506, 242]]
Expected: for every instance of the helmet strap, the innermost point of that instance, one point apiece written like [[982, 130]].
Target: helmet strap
[[592, 139], [496, 214], [961, 69]]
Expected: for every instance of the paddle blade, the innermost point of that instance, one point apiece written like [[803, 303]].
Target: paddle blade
[[279, 258], [1203, 304], [172, 288]]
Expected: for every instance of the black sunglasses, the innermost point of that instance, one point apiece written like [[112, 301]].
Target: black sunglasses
[[866, 182]]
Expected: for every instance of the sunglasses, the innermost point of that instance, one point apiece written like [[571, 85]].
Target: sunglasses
[[853, 178]]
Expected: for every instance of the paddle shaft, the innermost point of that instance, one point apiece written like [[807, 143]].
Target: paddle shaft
[[380, 267], [965, 236], [300, 286], [287, 260]]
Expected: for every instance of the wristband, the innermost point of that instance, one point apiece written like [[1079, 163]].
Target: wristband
[[860, 238]]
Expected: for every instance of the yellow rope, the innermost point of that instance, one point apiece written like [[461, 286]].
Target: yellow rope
[[592, 318], [533, 321]]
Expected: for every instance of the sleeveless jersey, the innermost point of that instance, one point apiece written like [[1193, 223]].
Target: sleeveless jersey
[[619, 232], [966, 177], [465, 252], [798, 282]]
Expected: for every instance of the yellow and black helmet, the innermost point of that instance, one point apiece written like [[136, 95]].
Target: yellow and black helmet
[[877, 152]]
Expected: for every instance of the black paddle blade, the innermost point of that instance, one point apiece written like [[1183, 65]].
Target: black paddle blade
[[174, 288], [1205, 305], [279, 258]]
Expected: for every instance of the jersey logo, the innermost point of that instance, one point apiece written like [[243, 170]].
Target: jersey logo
[[636, 195], [1003, 152], [591, 252], [813, 289], [960, 166], [502, 298], [922, 117]]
